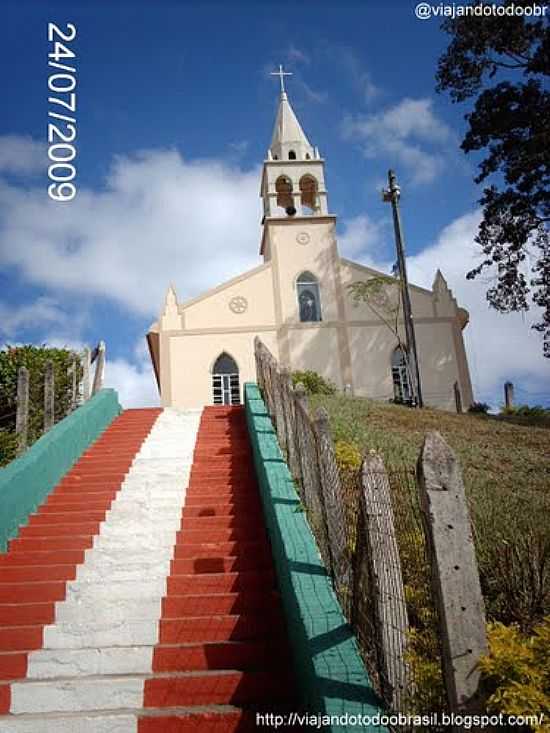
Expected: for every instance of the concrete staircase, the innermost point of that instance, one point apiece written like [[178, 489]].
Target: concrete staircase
[[140, 597]]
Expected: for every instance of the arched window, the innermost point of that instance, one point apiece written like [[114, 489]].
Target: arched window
[[291, 155], [402, 391], [308, 191], [309, 301], [225, 381], [283, 187]]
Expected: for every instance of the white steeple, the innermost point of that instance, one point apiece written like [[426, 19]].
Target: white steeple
[[289, 140], [293, 181]]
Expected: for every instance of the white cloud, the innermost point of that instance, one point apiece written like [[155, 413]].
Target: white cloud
[[160, 219], [45, 312], [135, 384], [361, 238], [360, 77], [402, 133], [312, 95], [21, 154], [500, 347], [297, 56]]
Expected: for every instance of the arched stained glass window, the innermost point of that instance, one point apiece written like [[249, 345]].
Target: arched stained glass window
[[309, 301]]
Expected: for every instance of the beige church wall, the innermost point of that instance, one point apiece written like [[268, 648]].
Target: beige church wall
[[316, 348], [421, 300], [372, 348], [193, 357], [445, 305], [293, 258], [212, 310], [437, 357]]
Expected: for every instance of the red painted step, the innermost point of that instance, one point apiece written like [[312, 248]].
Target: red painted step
[[222, 637], [217, 688], [219, 582], [227, 722], [80, 542], [239, 655], [220, 628], [32, 592]]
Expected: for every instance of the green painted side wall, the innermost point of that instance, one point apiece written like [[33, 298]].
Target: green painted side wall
[[25, 482], [328, 667]]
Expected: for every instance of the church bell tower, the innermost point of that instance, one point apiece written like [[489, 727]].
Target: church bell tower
[[299, 241], [293, 181]]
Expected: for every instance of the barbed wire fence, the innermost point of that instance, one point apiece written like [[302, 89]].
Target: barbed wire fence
[[401, 560]]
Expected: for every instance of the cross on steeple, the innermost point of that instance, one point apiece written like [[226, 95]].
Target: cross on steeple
[[281, 74]]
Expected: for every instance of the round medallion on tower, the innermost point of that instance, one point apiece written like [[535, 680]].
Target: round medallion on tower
[[238, 304], [302, 238]]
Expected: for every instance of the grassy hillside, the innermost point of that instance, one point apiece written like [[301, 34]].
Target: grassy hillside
[[506, 470]]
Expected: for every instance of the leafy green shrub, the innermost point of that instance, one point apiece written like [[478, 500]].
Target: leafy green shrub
[[34, 358], [516, 672], [479, 407], [532, 411], [314, 383], [8, 446]]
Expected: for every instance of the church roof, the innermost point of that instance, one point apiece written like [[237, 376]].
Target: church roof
[[288, 132]]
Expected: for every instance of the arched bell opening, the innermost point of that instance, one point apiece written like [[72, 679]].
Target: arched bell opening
[[309, 194], [283, 187]]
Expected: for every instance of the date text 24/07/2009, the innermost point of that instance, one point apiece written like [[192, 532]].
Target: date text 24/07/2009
[[62, 131]]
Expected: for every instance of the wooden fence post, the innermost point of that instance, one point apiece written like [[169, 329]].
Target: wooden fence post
[[458, 397], [332, 499], [280, 419], [99, 369], [22, 414], [257, 357], [86, 368], [455, 578], [73, 371], [312, 492], [509, 394], [290, 417], [387, 581], [49, 397]]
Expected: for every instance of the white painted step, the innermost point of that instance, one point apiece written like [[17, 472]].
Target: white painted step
[[77, 695], [100, 592], [87, 636], [102, 723], [115, 610], [52, 663]]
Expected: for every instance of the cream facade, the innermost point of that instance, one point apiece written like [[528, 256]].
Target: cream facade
[[298, 302]]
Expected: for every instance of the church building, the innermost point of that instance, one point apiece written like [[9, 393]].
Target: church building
[[297, 301]]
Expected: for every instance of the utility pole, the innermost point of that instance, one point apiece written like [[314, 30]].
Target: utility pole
[[392, 195]]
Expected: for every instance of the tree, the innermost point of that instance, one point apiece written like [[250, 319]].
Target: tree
[[504, 62], [34, 358], [382, 294]]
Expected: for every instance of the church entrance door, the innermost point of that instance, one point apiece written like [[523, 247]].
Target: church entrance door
[[225, 381]]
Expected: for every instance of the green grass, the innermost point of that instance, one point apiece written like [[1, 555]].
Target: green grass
[[506, 469]]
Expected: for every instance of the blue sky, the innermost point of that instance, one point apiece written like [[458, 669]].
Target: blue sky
[[175, 108]]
